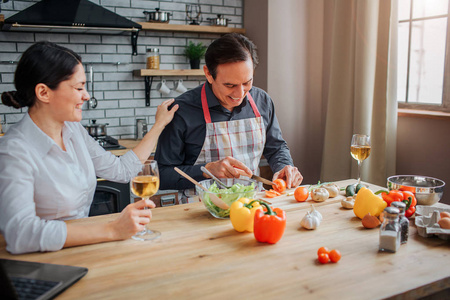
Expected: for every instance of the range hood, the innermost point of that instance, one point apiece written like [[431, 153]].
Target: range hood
[[79, 16]]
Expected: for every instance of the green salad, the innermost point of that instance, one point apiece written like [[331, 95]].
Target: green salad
[[228, 196]]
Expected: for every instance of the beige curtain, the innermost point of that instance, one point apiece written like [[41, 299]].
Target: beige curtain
[[362, 89]]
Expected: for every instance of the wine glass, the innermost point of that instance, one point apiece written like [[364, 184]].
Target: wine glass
[[193, 13], [145, 184], [360, 150]]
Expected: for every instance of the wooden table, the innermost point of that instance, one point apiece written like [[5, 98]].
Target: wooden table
[[200, 257]]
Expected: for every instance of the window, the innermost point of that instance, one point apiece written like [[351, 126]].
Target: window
[[422, 61]]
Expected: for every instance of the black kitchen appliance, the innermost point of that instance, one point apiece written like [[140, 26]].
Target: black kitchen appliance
[[108, 142], [110, 197]]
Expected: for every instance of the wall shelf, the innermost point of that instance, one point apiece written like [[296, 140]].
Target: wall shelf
[[148, 75], [189, 28], [181, 72]]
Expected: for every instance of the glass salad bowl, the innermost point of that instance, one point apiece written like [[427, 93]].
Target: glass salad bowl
[[238, 188]]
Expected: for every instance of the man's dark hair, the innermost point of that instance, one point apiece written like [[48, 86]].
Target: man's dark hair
[[229, 48]]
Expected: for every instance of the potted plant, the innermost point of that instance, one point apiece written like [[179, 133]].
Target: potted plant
[[195, 52]]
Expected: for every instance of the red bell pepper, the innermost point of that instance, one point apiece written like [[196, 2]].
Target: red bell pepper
[[406, 197], [269, 225], [410, 200], [392, 196]]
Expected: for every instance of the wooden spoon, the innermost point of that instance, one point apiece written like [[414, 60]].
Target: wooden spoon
[[216, 200]]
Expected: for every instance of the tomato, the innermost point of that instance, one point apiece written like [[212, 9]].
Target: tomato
[[279, 185], [323, 258], [323, 250], [272, 194], [335, 255], [301, 194]]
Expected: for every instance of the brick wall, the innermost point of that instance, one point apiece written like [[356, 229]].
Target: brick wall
[[120, 94]]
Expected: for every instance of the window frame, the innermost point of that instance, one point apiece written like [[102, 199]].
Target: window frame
[[445, 105]]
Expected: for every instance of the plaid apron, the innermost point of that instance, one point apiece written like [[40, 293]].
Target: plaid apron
[[242, 139]]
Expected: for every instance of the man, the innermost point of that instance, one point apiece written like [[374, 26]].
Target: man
[[225, 124]]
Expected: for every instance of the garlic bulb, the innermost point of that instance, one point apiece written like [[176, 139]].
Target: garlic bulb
[[309, 221], [320, 194]]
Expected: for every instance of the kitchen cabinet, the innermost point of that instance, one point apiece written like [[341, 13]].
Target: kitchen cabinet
[[148, 74]]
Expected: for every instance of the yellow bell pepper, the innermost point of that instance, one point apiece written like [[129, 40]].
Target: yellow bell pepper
[[242, 214], [367, 202]]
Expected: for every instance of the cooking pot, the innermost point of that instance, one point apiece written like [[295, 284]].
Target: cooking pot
[[157, 16], [96, 130], [219, 21]]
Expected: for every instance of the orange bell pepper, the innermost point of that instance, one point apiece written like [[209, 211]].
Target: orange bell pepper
[[269, 225]]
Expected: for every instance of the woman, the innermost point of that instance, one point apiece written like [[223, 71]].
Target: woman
[[49, 163]]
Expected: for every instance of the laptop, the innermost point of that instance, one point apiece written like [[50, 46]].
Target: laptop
[[32, 280]]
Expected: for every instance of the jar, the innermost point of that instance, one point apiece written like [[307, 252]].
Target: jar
[[390, 230], [402, 220], [153, 58]]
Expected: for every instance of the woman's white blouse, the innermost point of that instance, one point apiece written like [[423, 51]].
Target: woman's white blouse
[[41, 185]]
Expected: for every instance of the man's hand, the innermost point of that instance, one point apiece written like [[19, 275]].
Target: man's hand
[[225, 168], [291, 175]]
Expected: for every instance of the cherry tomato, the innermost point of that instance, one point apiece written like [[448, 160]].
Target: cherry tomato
[[335, 255], [323, 250], [279, 186], [301, 194], [323, 258]]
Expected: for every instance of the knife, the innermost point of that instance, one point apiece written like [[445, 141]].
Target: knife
[[255, 177], [263, 180]]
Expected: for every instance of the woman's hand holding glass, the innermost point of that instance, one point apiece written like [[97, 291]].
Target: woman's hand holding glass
[[132, 219]]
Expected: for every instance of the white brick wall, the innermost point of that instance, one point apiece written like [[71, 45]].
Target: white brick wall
[[119, 93]]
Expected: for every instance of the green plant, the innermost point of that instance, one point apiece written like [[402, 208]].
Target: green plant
[[195, 51]]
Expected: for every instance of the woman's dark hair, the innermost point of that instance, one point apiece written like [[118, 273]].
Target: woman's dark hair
[[231, 47], [43, 62]]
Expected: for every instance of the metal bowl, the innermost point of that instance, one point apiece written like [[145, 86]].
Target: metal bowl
[[157, 16], [428, 190], [226, 195]]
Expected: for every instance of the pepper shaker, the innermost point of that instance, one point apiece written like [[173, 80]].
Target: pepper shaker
[[403, 221]]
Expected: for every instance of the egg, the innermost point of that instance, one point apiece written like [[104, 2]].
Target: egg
[[445, 214], [444, 223]]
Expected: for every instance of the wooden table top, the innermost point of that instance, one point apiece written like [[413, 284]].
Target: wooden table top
[[200, 257]]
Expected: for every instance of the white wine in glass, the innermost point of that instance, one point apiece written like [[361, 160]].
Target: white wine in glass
[[145, 184], [360, 150]]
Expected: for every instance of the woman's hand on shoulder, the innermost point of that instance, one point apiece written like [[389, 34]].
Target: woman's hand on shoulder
[[163, 115], [132, 219]]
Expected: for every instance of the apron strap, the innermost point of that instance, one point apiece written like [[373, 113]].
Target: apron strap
[[252, 103], [205, 106], [207, 115]]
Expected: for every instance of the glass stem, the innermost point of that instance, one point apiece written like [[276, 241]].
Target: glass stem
[[359, 172]]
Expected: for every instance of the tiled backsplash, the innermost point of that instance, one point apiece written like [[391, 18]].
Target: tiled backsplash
[[120, 94]]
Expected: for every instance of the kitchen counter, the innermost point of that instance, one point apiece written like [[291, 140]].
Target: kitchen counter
[[128, 144], [200, 257]]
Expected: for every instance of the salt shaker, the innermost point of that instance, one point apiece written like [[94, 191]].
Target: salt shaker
[[403, 221], [390, 230], [153, 58]]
